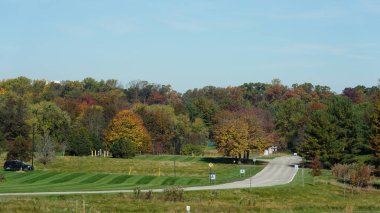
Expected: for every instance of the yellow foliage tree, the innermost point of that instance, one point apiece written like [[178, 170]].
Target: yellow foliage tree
[[239, 133], [128, 126], [231, 137], [2, 91]]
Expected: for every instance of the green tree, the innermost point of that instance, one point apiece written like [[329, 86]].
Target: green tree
[[362, 128], [21, 85], [375, 137], [290, 121], [13, 115], [20, 149], [122, 148], [203, 108], [52, 125], [93, 120], [331, 132], [79, 141], [161, 122], [341, 110]]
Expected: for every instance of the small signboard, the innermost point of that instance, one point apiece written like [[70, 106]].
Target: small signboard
[[266, 152], [295, 154], [254, 159], [242, 171], [210, 165], [296, 166], [212, 176]]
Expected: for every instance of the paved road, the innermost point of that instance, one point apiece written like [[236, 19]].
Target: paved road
[[279, 171]]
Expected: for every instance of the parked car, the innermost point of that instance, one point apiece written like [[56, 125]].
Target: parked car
[[15, 165]]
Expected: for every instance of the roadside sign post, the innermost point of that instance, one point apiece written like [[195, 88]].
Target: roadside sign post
[[210, 165], [242, 172], [250, 174], [212, 177], [188, 209]]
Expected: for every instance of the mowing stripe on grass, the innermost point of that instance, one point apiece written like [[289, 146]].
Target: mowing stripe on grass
[[170, 181], [41, 177], [119, 179], [17, 175], [67, 178], [193, 181], [172, 158], [94, 178], [187, 159], [145, 180]]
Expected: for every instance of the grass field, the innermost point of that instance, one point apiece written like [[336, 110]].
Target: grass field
[[93, 173], [322, 194]]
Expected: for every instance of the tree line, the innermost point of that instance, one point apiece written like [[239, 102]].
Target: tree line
[[76, 117]]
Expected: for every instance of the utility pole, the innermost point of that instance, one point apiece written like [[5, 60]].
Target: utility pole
[[174, 169], [33, 148], [303, 178]]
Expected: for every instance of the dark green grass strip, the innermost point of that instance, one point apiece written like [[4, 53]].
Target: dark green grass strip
[[67, 178], [94, 178], [40, 177], [17, 175], [170, 181], [189, 159], [119, 179], [193, 181], [145, 180]]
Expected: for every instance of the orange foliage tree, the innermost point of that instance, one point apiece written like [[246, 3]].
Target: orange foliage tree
[[128, 126]]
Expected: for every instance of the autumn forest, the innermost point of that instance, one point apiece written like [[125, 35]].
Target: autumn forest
[[77, 117]]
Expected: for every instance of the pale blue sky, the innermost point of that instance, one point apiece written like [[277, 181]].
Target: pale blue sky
[[190, 44]]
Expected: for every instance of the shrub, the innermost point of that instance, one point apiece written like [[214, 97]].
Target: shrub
[[358, 174], [341, 171], [148, 195], [2, 178], [173, 194], [190, 149], [316, 166], [123, 149]]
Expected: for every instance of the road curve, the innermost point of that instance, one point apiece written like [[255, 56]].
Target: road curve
[[279, 171]]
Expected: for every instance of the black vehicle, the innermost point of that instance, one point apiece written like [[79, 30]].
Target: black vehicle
[[15, 165]]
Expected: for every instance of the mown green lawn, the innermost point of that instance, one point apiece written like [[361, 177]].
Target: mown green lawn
[[147, 172], [321, 194]]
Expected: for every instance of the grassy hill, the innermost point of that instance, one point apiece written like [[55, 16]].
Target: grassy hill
[[94, 173]]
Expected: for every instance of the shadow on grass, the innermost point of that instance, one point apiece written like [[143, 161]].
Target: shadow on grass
[[225, 160]]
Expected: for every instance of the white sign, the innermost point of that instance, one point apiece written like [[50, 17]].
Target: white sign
[[296, 166], [188, 208], [254, 159], [242, 171], [266, 152], [212, 176], [295, 154]]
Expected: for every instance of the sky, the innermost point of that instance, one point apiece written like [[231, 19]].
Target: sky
[[193, 43]]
